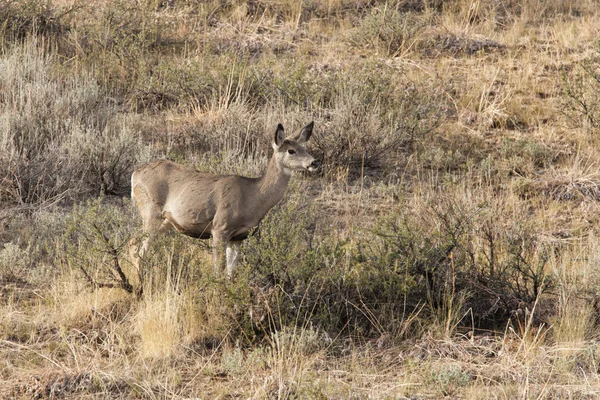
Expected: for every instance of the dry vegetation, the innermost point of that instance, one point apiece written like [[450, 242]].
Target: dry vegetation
[[448, 248]]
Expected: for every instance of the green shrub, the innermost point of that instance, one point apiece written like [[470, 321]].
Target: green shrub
[[278, 258], [304, 277], [15, 262], [448, 254], [449, 378]]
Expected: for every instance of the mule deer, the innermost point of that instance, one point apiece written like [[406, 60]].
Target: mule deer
[[224, 207]]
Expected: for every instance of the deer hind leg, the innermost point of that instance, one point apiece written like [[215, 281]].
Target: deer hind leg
[[137, 252], [134, 252], [153, 224]]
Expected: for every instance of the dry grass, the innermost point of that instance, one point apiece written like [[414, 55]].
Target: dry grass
[[465, 131]]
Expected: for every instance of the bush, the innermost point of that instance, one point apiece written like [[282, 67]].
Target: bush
[[377, 119], [453, 247], [62, 139], [95, 238], [305, 277], [447, 254], [15, 262], [389, 31], [22, 18], [116, 44], [581, 88]]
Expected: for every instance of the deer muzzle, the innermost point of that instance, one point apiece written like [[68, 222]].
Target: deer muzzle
[[313, 166]]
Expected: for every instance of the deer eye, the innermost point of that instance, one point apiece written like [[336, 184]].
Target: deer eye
[[291, 152]]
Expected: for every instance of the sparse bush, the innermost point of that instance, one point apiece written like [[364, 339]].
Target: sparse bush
[[15, 262], [523, 157], [377, 119], [115, 42], [96, 236], [22, 18], [581, 89], [454, 248], [449, 378], [303, 341], [389, 31], [233, 132], [212, 83]]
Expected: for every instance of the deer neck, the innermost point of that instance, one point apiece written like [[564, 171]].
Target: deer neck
[[273, 183]]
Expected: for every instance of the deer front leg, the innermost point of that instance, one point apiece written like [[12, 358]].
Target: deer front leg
[[232, 258], [218, 248]]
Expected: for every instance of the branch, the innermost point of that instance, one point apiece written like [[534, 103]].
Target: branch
[[124, 282]]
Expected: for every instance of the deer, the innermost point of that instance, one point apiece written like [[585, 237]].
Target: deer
[[223, 207]]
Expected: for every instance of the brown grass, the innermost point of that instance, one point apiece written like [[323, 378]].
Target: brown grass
[[466, 118]]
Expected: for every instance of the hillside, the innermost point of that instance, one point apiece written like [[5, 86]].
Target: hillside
[[447, 248]]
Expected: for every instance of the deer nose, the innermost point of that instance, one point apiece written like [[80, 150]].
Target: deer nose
[[314, 165]]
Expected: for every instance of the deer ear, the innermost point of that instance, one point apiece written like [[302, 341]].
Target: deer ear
[[279, 136], [305, 133]]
